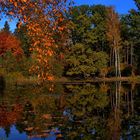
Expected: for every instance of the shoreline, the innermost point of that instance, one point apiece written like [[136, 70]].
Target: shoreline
[[65, 81]]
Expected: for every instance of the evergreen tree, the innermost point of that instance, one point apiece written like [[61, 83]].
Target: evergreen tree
[[22, 34], [7, 131], [89, 26], [86, 57], [6, 27], [130, 32], [137, 4]]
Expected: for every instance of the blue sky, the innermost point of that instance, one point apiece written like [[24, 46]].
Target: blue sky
[[121, 6]]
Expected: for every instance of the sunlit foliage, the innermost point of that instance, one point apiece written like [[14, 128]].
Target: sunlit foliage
[[46, 25]]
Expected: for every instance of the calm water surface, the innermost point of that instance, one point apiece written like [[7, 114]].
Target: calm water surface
[[71, 112]]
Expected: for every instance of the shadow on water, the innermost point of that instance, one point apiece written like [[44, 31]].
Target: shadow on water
[[2, 85]]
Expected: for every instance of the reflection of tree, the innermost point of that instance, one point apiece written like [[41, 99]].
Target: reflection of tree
[[9, 115], [90, 114], [114, 124], [104, 111], [27, 119], [2, 85], [122, 109], [37, 102], [7, 130], [14, 113], [42, 113], [85, 112], [131, 125]]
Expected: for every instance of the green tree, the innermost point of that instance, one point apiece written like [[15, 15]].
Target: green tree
[[89, 26], [84, 62], [6, 27], [86, 56], [137, 4], [22, 34], [130, 32], [98, 17]]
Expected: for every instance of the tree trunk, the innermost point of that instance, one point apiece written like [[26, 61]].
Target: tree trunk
[[119, 69], [116, 93], [111, 57], [131, 59], [116, 63], [127, 56]]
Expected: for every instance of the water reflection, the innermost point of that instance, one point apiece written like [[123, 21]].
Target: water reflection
[[71, 112], [2, 85], [86, 111]]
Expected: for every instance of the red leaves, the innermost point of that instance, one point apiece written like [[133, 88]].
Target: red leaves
[[8, 42]]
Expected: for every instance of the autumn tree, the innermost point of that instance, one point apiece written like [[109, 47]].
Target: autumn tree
[[46, 25], [113, 36], [9, 42], [11, 52]]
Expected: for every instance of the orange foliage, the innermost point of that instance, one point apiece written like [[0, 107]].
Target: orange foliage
[[46, 25], [113, 28], [10, 43], [8, 117], [50, 78]]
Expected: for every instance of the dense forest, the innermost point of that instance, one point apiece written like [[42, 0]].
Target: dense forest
[[98, 42], [69, 72]]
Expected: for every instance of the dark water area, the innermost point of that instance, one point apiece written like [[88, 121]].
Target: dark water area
[[2, 85], [105, 111]]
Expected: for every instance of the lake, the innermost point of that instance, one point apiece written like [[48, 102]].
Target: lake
[[101, 111]]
